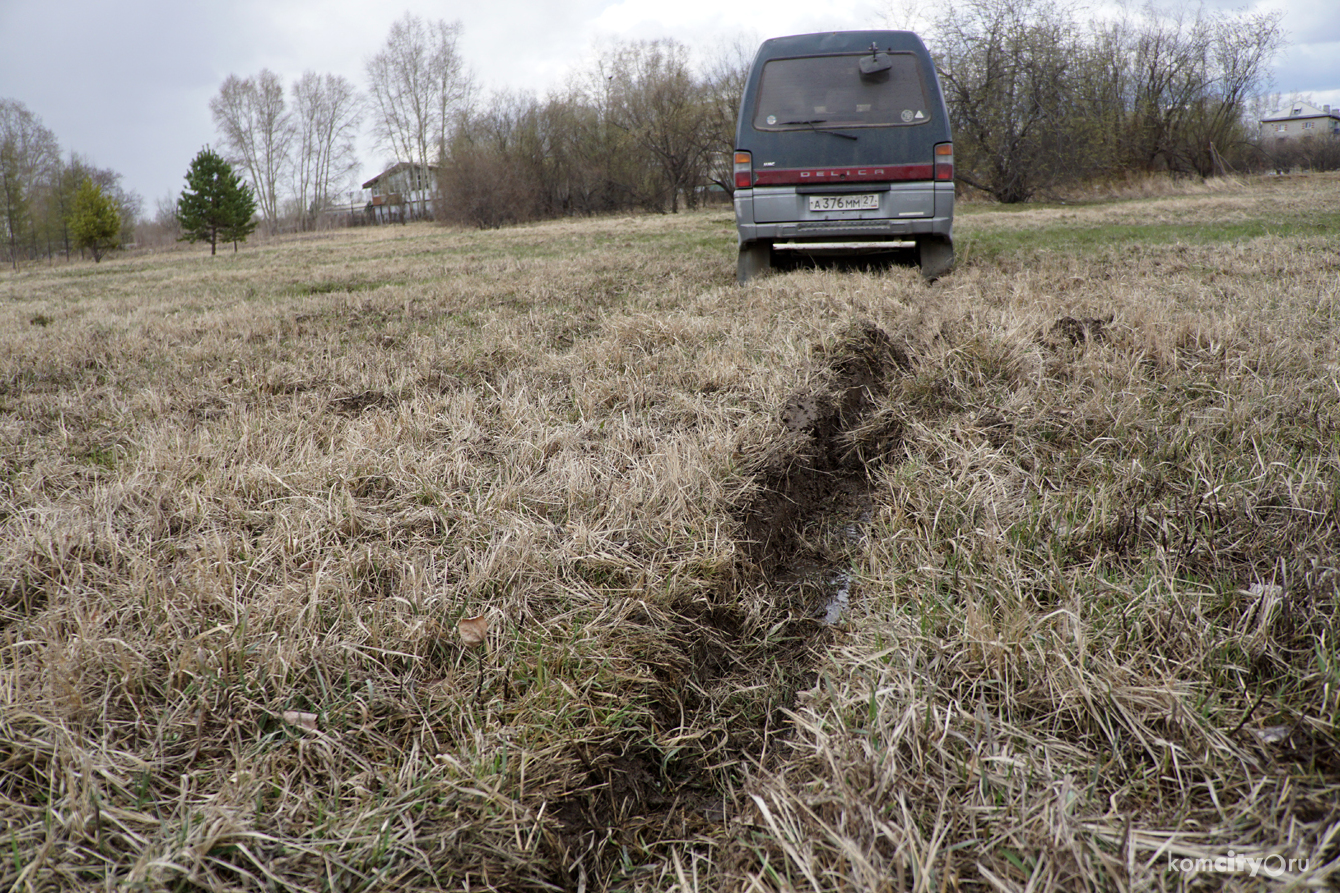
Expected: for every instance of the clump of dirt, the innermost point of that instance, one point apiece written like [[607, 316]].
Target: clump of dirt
[[1089, 329], [833, 437], [353, 404]]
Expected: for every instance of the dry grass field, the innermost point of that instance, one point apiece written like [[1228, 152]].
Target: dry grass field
[[1024, 580]]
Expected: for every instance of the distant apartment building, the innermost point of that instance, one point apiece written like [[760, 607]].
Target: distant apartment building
[[1298, 121]]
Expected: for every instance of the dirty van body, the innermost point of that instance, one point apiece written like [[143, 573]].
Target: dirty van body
[[843, 146]]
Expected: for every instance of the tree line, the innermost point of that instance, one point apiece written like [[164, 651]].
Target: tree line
[[642, 128], [1041, 102], [52, 203], [645, 127]]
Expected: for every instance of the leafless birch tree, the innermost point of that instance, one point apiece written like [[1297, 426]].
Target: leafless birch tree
[[417, 85], [256, 128], [326, 113]]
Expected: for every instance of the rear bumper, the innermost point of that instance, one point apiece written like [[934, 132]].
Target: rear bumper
[[781, 215]]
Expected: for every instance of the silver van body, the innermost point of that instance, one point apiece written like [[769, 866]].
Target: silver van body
[[843, 146]]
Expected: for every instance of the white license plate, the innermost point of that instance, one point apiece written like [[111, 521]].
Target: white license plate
[[861, 202]]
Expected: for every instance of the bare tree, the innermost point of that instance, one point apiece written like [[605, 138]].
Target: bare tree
[[654, 97], [1237, 66], [257, 133], [418, 85], [1007, 67], [14, 203], [165, 216], [1036, 103], [723, 89], [496, 167], [1185, 84], [326, 113]]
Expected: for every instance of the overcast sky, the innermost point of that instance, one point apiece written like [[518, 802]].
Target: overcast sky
[[128, 84]]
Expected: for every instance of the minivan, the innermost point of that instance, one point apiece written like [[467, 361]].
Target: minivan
[[843, 146]]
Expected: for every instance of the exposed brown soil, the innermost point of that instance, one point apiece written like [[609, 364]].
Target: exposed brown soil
[[819, 468], [1080, 331]]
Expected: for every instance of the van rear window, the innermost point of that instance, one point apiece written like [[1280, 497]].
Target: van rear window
[[805, 92]]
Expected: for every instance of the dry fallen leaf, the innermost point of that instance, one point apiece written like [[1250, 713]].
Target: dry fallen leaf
[[473, 630], [1273, 734], [298, 718]]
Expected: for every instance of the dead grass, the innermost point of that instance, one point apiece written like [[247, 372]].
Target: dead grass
[[1084, 502]]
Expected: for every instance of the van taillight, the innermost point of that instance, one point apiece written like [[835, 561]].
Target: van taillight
[[944, 161], [744, 170]]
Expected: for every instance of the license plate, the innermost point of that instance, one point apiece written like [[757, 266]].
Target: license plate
[[862, 202]]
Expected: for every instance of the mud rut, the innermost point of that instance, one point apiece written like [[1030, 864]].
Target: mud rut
[[759, 636]]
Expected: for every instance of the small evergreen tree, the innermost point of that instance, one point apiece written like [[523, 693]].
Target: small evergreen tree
[[94, 221], [241, 212], [215, 204]]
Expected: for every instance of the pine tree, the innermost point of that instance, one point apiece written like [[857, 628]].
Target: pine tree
[[242, 220], [216, 204], [94, 222]]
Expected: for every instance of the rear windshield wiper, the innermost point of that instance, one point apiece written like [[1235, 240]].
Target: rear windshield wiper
[[811, 122]]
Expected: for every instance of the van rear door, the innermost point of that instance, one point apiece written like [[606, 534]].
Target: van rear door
[[843, 142]]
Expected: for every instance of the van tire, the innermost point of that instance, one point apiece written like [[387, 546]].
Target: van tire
[[755, 260], [935, 254]]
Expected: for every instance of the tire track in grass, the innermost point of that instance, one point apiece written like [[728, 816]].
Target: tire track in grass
[[753, 645]]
